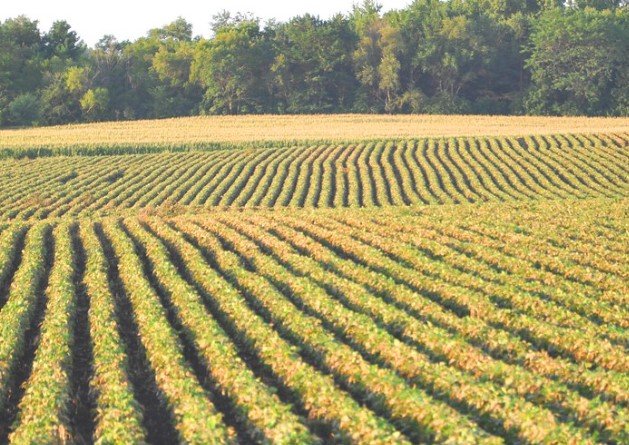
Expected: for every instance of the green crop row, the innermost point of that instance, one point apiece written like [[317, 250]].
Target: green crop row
[[493, 308], [195, 417], [372, 174], [503, 322], [450, 348], [43, 409], [512, 413], [118, 417], [18, 313], [423, 417], [442, 254], [268, 419], [314, 391]]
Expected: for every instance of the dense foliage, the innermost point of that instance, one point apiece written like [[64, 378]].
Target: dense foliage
[[457, 56]]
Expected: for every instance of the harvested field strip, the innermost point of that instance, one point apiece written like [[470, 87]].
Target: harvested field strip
[[215, 132]]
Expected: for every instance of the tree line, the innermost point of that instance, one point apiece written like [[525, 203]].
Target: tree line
[[456, 56]]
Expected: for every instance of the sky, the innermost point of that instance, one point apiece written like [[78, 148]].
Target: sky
[[130, 19]]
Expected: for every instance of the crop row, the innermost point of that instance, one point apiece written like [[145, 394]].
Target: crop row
[[376, 325], [375, 174], [318, 263], [362, 331]]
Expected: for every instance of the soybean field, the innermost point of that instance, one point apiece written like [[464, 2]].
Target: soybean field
[[453, 289], [376, 174]]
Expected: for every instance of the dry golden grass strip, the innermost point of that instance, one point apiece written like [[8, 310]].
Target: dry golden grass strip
[[273, 128]]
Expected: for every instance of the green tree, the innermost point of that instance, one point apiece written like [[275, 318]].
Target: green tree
[[60, 41], [312, 69], [24, 110], [20, 61], [233, 67], [378, 64], [366, 22], [433, 56], [598, 4], [579, 60], [61, 99], [157, 69], [94, 103], [59, 105]]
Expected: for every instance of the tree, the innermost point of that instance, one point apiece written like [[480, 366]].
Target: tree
[[389, 76], [24, 110], [63, 43], [20, 64], [178, 31], [598, 4], [20, 56], [433, 56], [94, 103], [507, 8], [312, 69], [58, 104], [233, 68], [61, 99], [377, 62], [579, 60], [157, 68]]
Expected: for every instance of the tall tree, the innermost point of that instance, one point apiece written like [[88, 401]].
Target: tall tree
[[433, 56], [62, 42], [159, 67], [579, 62], [378, 62], [312, 70], [233, 67], [21, 74]]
